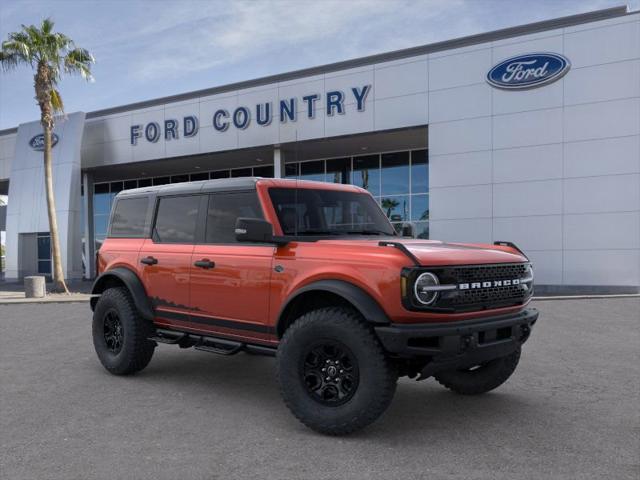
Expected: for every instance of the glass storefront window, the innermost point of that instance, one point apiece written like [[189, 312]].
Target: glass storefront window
[[396, 208], [338, 170], [421, 230], [241, 172], [419, 207], [219, 174], [265, 171], [161, 180], [179, 178], [395, 173], [196, 177], [312, 171], [366, 173], [291, 170], [419, 171], [100, 224], [144, 182], [44, 253]]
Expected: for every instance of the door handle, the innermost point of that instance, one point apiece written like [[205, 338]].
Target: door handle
[[149, 260], [204, 263]]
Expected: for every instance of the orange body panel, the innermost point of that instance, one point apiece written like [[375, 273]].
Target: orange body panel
[[250, 284]]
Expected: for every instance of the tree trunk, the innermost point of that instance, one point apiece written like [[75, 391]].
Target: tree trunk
[[59, 284]]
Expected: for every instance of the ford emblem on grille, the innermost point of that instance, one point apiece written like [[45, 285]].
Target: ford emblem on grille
[[528, 71]]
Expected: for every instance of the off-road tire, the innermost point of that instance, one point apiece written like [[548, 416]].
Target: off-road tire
[[136, 350], [482, 379], [377, 376]]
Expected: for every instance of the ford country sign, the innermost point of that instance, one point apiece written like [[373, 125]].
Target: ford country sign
[[528, 71], [37, 142]]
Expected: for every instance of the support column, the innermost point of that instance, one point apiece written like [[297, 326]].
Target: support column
[[278, 163], [87, 222]]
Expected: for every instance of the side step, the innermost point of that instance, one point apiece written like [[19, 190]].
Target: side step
[[219, 346], [168, 337], [205, 343]]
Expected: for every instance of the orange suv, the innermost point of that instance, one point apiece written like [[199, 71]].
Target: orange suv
[[315, 275]]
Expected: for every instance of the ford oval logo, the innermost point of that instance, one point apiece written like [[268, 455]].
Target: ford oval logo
[[528, 71], [37, 142]]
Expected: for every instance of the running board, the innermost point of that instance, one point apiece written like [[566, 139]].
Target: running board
[[168, 337], [206, 343]]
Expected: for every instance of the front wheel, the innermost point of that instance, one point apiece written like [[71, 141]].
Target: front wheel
[[333, 374], [481, 378]]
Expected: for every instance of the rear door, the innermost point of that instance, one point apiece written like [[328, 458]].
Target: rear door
[[230, 280], [165, 258]]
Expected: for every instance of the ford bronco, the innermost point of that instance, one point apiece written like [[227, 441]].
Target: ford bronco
[[315, 275]]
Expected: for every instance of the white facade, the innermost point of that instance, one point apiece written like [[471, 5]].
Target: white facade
[[554, 169]]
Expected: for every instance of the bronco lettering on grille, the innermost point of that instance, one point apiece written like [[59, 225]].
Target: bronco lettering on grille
[[494, 283]]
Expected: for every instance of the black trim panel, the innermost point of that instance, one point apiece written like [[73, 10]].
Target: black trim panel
[[216, 322]]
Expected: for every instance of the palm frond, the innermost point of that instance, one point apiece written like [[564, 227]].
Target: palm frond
[[79, 61], [9, 61], [56, 101], [47, 26]]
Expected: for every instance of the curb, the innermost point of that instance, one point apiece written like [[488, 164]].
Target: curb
[[584, 297], [21, 301]]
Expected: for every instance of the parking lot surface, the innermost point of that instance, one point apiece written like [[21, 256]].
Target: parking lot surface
[[570, 411]]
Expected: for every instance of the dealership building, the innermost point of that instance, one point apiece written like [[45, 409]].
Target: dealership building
[[529, 134]]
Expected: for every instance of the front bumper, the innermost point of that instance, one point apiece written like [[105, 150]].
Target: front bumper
[[448, 346]]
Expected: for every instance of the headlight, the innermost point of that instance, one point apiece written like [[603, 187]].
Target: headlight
[[425, 288]]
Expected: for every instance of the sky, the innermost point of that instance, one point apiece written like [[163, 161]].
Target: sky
[[150, 49]]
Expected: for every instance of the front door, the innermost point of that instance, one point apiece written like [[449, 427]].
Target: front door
[[230, 280], [165, 259]]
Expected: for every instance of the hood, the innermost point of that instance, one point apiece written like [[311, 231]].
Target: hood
[[431, 252], [434, 252]]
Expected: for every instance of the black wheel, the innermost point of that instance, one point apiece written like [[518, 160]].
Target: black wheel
[[120, 334], [333, 374], [480, 378]]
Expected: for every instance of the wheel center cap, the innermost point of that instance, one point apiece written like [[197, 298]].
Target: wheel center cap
[[331, 371]]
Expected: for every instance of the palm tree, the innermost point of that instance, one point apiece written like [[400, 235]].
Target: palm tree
[[50, 54]]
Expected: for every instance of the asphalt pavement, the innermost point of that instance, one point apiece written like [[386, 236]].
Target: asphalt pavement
[[571, 410]]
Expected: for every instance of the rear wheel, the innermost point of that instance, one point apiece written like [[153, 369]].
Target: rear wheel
[[333, 374], [120, 335], [480, 378]]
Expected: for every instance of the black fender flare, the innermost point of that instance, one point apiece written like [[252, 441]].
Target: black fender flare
[[356, 296], [133, 284]]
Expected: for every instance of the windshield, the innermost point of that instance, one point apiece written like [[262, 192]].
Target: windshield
[[328, 212]]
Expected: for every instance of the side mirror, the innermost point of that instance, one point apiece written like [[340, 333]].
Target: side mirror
[[254, 230]]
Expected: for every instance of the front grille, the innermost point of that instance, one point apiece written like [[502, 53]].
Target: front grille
[[483, 298], [489, 272]]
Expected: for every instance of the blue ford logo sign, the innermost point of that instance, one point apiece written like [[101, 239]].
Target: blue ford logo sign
[[528, 71], [37, 142]]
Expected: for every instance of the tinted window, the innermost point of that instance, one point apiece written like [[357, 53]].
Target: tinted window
[[176, 219], [129, 217], [327, 212], [224, 210], [395, 173]]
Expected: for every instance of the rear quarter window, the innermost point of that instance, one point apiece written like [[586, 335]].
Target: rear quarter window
[[129, 218]]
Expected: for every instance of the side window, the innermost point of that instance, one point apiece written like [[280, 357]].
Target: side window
[[129, 217], [176, 219], [224, 210]]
